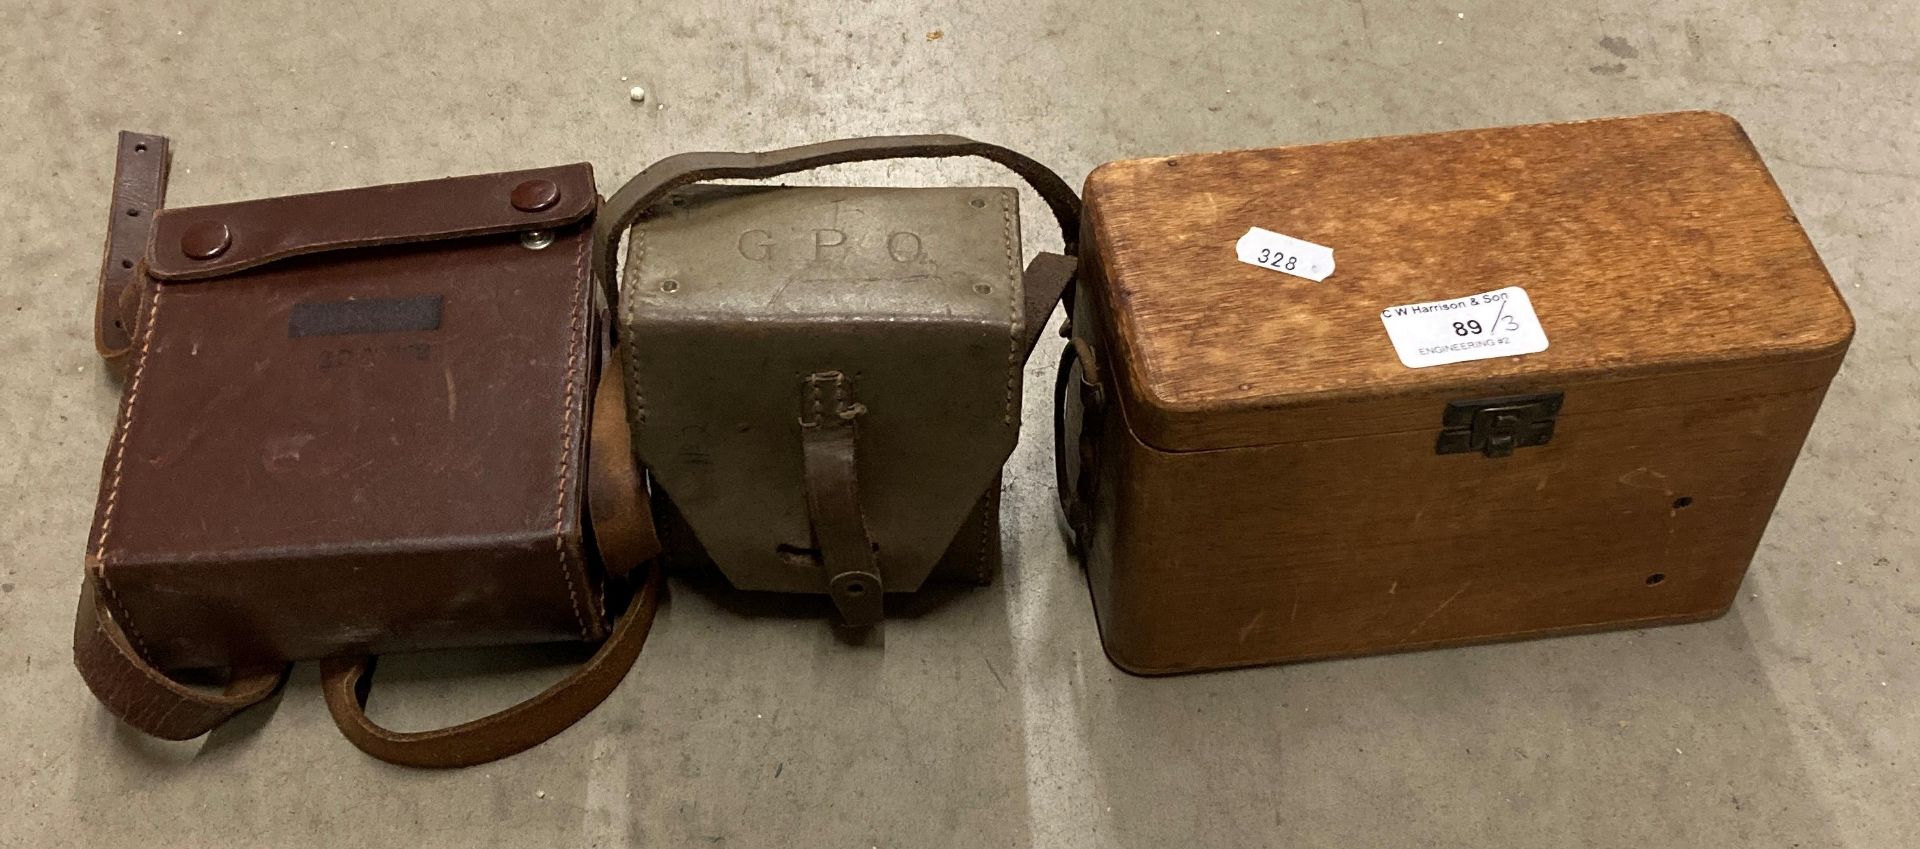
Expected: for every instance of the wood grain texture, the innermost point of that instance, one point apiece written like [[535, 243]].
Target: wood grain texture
[[1265, 485], [1651, 246]]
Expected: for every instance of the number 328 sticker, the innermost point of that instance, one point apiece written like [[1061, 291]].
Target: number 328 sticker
[[1500, 323]]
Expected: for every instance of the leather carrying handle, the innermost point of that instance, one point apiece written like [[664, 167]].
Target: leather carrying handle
[[146, 698], [650, 185]]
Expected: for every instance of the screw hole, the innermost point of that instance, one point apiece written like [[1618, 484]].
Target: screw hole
[[1683, 502], [133, 213], [126, 263], [140, 148], [1656, 578], [669, 285]]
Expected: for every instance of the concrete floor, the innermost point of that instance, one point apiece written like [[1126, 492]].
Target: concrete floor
[[993, 719]]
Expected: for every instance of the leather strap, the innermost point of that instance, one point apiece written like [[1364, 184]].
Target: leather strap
[[829, 439], [345, 682], [616, 504], [144, 696], [139, 189], [653, 183], [1079, 401]]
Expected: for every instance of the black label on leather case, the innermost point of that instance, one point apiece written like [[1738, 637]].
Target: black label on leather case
[[367, 315]]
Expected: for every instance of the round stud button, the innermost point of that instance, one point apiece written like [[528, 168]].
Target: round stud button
[[535, 195], [205, 240]]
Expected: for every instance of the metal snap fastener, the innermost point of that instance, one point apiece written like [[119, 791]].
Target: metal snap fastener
[[205, 240], [534, 240], [535, 195]]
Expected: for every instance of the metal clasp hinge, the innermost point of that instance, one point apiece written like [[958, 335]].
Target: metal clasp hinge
[[1496, 426]]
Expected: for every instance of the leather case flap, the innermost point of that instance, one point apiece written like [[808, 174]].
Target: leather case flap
[[195, 243]]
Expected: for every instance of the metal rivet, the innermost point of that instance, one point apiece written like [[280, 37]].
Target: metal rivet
[[983, 288], [534, 240], [205, 240], [535, 195], [669, 285]]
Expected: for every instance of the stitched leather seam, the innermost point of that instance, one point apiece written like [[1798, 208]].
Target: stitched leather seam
[[1013, 307], [993, 505], [567, 443], [119, 466], [636, 399]]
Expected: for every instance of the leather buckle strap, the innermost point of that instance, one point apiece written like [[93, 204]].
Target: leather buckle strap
[[829, 440], [139, 190]]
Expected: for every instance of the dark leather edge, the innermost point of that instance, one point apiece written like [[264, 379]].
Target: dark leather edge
[[270, 229]]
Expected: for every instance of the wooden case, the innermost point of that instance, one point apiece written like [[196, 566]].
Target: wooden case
[[1254, 476]]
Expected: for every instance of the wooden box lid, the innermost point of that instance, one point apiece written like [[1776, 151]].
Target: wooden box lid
[[1663, 262]]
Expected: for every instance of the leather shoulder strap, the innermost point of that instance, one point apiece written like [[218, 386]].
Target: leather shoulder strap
[[345, 682], [143, 696], [653, 183]]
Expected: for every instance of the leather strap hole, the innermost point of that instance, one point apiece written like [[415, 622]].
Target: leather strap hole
[[1683, 502], [140, 148], [1655, 578], [133, 213], [126, 263]]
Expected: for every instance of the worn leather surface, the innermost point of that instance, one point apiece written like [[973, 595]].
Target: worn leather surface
[[140, 171], [150, 700], [270, 496]]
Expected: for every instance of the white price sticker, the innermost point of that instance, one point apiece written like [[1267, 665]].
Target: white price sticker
[[1284, 253], [1499, 323]]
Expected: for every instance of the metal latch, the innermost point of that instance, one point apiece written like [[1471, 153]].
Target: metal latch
[[1496, 426]]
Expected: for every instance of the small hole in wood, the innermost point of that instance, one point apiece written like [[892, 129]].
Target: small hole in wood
[[1656, 578], [1682, 502]]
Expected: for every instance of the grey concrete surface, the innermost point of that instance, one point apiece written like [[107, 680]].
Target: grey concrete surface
[[991, 719]]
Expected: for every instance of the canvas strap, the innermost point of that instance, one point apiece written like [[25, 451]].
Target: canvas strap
[[148, 699]]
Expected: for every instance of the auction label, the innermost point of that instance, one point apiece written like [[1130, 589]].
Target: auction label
[[1499, 323]]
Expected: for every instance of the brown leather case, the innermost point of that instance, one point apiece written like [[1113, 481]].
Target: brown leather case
[[355, 423], [1270, 483]]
